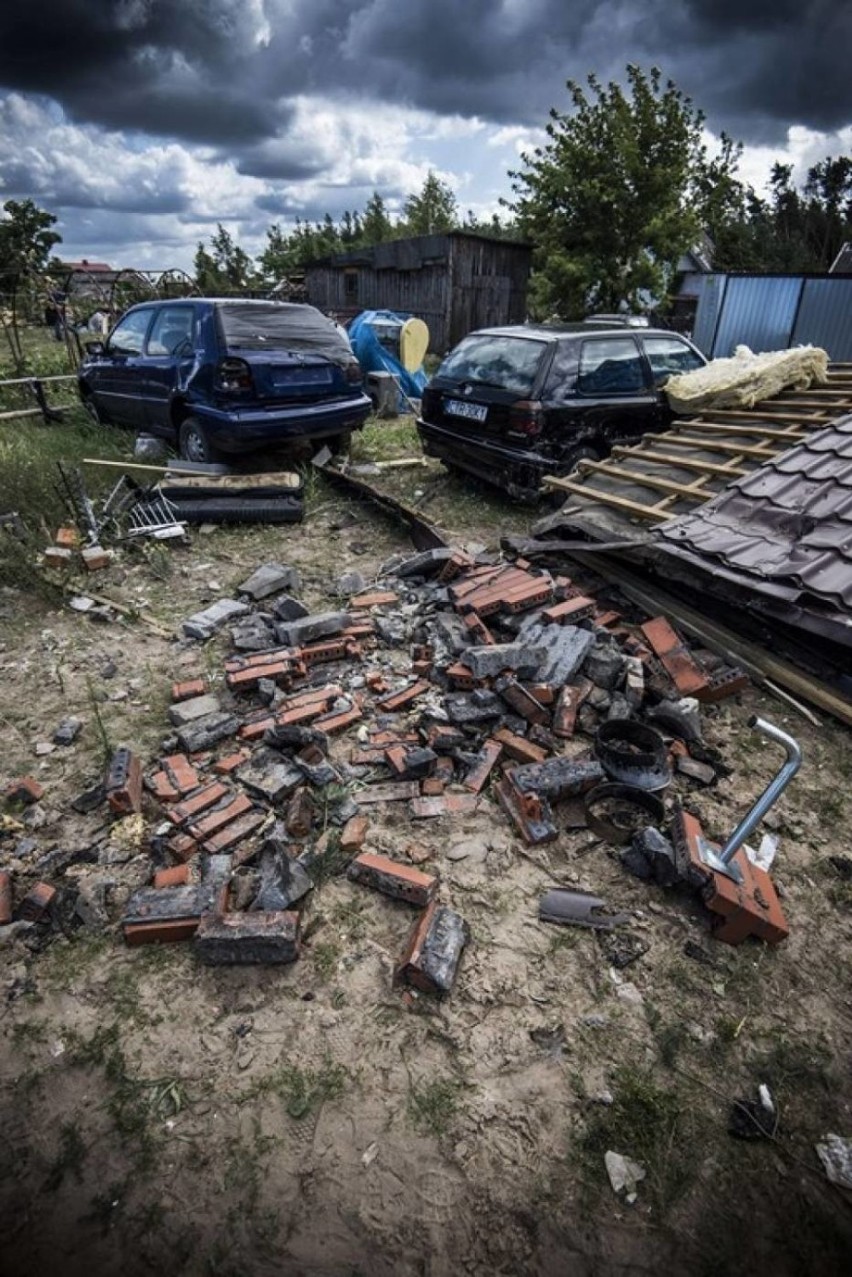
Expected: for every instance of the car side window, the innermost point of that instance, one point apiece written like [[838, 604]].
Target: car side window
[[172, 331], [610, 366], [670, 356], [128, 336]]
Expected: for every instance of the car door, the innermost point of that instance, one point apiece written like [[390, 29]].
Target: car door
[[614, 389], [116, 379], [169, 354], [669, 356]]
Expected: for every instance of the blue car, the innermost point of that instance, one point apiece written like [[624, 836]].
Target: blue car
[[226, 376]]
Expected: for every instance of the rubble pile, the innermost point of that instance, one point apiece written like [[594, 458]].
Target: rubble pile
[[445, 677]]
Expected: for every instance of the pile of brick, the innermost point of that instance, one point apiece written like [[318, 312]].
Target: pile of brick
[[67, 550], [449, 684]]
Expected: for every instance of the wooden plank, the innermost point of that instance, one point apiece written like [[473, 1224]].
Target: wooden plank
[[693, 491], [718, 427], [765, 453], [763, 415], [726, 471], [654, 513], [21, 412], [732, 647]]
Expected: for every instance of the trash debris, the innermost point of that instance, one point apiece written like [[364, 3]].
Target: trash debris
[[572, 908], [624, 1174], [754, 1119], [835, 1153], [615, 812]]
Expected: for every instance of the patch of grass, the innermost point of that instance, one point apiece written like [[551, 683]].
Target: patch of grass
[[384, 439], [301, 1090], [26, 1031], [650, 1125], [432, 1106], [350, 916], [325, 955], [69, 1160]]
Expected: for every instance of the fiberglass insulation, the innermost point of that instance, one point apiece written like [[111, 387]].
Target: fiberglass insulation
[[746, 378]]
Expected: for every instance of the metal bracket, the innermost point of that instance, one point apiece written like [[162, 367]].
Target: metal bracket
[[710, 855]]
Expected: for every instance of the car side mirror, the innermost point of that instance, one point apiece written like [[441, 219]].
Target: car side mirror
[[95, 348]]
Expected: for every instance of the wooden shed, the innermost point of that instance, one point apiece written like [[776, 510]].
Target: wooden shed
[[455, 282]]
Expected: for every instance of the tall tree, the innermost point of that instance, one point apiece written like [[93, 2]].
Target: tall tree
[[620, 189], [376, 225], [433, 210], [26, 239], [226, 267]]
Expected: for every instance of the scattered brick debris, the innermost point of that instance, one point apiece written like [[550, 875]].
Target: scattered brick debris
[[431, 958], [241, 939], [123, 782], [393, 879], [24, 789]]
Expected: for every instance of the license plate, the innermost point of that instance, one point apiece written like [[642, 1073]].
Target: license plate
[[301, 377], [473, 411]]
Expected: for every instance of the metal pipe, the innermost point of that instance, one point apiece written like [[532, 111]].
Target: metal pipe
[[771, 793]]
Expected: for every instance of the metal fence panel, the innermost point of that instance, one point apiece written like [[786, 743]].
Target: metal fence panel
[[825, 317], [758, 312], [710, 300]]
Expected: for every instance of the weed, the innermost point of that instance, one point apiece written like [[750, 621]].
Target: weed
[[302, 1090], [104, 1206], [350, 917], [331, 862], [432, 1106], [325, 954], [564, 939], [69, 1159], [28, 1031], [649, 1125], [107, 750]]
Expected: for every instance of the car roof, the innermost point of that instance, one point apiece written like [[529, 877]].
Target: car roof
[[559, 332]]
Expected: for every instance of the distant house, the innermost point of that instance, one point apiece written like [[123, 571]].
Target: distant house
[[455, 282], [842, 264]]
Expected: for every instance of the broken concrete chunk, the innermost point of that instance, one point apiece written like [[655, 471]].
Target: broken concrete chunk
[[558, 778], [241, 939], [431, 958], [190, 711], [253, 634], [203, 625], [605, 666], [282, 881], [691, 767], [309, 628], [286, 608], [67, 731], [350, 583], [206, 732], [269, 777], [565, 649], [271, 578], [523, 659], [463, 710]]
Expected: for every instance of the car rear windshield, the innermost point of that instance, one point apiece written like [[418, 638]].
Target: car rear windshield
[[282, 327], [509, 363]]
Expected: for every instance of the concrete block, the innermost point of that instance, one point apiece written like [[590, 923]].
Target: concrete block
[[242, 939], [270, 578], [523, 659], [190, 711], [316, 626], [286, 608], [203, 625], [206, 732]]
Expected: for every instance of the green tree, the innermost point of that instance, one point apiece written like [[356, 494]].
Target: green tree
[[26, 239], [226, 267], [435, 209], [620, 189], [376, 225]]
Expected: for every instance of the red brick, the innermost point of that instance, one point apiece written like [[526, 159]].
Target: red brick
[[24, 789], [516, 695], [185, 691], [300, 814], [200, 800], [239, 680], [727, 682], [569, 702], [235, 832], [162, 788], [67, 538], [542, 692], [57, 556], [183, 846], [421, 669], [460, 675], [124, 783], [136, 933], [478, 629], [394, 792], [5, 897], [336, 649], [354, 834], [392, 878], [432, 787], [338, 722], [606, 619], [95, 557], [36, 902], [569, 612], [478, 775], [446, 805], [678, 662], [222, 816], [181, 773], [434, 947], [519, 748], [376, 681], [378, 598], [398, 700], [177, 876], [224, 766], [255, 729]]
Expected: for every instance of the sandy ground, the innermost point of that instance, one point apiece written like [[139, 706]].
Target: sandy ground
[[160, 1117]]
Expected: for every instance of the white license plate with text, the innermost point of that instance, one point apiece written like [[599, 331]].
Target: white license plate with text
[[458, 408]]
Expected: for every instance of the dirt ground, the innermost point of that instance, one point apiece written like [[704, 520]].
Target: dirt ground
[[162, 1117]]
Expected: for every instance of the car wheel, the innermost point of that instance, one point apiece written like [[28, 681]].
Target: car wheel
[[339, 443], [194, 443], [96, 414]]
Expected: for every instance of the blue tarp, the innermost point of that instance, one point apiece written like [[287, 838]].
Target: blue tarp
[[375, 341]]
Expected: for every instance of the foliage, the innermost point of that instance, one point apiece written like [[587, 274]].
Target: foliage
[[433, 210], [26, 239], [621, 188], [227, 268], [791, 230]]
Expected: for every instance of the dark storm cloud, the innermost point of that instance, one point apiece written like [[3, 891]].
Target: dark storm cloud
[[221, 71]]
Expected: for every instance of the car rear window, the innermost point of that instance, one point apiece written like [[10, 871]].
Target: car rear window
[[509, 363], [281, 327]]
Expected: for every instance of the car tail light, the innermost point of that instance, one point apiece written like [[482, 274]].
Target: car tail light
[[525, 417], [353, 372], [234, 374]]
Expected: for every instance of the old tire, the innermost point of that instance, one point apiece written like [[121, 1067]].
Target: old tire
[[194, 441], [97, 415], [571, 459]]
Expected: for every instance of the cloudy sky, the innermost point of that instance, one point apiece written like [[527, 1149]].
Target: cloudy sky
[[142, 123]]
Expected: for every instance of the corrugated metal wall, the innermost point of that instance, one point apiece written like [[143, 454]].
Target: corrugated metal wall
[[773, 312]]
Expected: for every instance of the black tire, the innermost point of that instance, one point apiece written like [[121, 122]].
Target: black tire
[[195, 444], [97, 414], [339, 443]]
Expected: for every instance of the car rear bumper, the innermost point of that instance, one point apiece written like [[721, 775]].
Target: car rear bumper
[[515, 470], [243, 429]]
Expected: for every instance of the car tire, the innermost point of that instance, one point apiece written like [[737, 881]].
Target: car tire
[[339, 443], [97, 415], [195, 444], [571, 459]]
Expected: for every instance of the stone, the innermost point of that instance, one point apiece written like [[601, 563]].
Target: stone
[[350, 583], [205, 732], [190, 711], [489, 661], [270, 578], [254, 634], [268, 777], [203, 625], [286, 608], [319, 625], [605, 666]]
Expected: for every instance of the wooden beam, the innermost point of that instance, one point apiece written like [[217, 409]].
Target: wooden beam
[[654, 513], [710, 445], [718, 427], [798, 418], [21, 412], [727, 471], [692, 491]]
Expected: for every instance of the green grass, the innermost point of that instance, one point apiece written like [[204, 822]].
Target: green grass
[[432, 1106], [301, 1090]]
